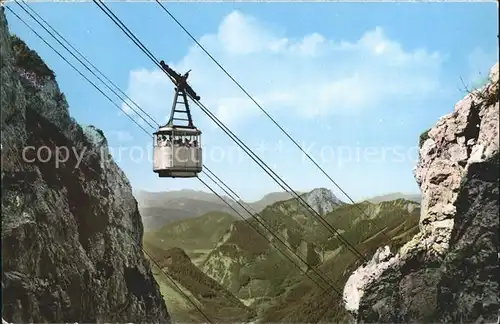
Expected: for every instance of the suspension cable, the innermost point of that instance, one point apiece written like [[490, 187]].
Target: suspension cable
[[88, 62], [74, 68], [267, 114], [239, 214], [268, 170], [127, 31], [237, 140], [265, 226], [138, 243], [79, 60], [275, 245]]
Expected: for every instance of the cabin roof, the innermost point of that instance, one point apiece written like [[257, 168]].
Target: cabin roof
[[166, 130]]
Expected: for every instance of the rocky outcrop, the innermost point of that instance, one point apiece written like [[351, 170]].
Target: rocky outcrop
[[71, 230], [449, 271], [322, 200], [354, 287]]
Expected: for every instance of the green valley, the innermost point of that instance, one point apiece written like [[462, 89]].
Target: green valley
[[261, 276], [197, 236]]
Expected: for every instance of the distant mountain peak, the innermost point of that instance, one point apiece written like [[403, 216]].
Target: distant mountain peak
[[322, 200]]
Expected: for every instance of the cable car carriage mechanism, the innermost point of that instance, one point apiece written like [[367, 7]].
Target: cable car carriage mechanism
[[177, 148]]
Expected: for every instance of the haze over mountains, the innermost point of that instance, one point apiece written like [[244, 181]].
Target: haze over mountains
[[160, 208], [396, 195]]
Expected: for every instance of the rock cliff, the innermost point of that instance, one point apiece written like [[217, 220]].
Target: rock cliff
[[71, 230], [322, 200], [449, 271]]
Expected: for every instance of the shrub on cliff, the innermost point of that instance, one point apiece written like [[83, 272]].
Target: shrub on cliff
[[423, 137], [29, 59]]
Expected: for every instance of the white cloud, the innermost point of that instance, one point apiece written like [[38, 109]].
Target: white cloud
[[309, 77], [147, 89]]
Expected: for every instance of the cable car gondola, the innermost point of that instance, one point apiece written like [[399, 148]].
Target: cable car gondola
[[177, 148]]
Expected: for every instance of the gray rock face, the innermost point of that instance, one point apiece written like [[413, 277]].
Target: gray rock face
[[469, 286], [322, 200], [449, 271], [71, 230]]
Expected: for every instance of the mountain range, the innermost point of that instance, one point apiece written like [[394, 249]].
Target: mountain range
[[160, 208], [272, 262]]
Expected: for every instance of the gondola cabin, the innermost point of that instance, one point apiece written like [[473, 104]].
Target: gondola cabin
[[177, 147], [177, 152]]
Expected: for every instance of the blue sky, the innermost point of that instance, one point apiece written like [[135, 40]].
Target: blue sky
[[354, 83]]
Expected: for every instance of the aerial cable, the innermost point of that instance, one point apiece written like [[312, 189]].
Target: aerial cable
[[254, 214], [138, 243], [352, 248], [186, 296], [127, 31], [134, 39], [309, 267], [267, 114], [216, 177], [153, 120], [151, 56], [74, 68], [131, 119], [263, 225], [217, 121], [85, 59], [79, 60], [240, 215], [255, 157]]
